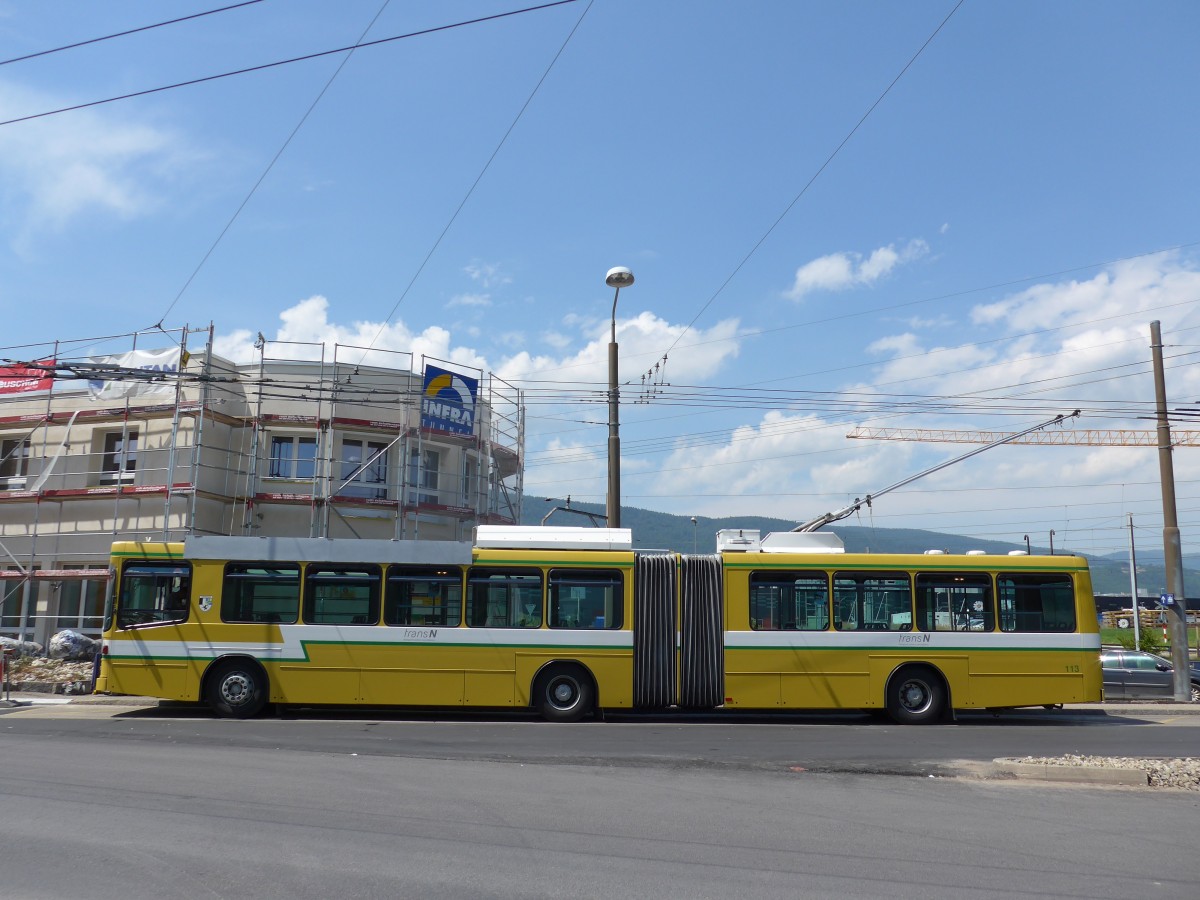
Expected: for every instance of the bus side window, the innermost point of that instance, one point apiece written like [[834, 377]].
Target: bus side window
[[583, 598], [341, 594], [153, 593], [260, 592], [423, 595], [1036, 601], [504, 598], [872, 601], [789, 601], [955, 601]]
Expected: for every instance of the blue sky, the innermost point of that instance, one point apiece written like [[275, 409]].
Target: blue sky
[[985, 250]]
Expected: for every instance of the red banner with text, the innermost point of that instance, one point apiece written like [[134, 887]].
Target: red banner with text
[[23, 379]]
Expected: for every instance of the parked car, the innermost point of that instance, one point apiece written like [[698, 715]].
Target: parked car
[[1137, 675]]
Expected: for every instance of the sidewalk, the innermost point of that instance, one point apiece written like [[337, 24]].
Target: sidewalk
[[1137, 707]]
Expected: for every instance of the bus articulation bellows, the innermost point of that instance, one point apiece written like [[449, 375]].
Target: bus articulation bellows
[[571, 620]]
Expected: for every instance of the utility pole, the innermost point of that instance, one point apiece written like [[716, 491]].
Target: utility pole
[[1175, 602], [617, 277], [1133, 590]]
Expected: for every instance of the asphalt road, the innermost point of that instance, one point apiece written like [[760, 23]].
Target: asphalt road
[[110, 802]]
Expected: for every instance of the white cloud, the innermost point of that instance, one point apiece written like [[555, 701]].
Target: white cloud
[[641, 340], [1054, 337], [306, 326], [928, 323], [469, 300], [556, 339], [790, 465], [558, 464], [795, 464], [1146, 283], [798, 466], [57, 169], [566, 466], [511, 339], [489, 275], [842, 271]]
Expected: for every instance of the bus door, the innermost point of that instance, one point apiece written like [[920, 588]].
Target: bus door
[[146, 654]]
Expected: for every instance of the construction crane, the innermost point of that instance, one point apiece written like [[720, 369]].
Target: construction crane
[[1083, 437]]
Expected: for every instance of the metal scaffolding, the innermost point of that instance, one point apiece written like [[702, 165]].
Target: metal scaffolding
[[306, 440]]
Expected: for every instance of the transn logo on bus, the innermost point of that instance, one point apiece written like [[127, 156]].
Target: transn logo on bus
[[914, 638]]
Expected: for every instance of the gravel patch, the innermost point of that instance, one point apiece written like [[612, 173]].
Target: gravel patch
[[24, 670], [1180, 772]]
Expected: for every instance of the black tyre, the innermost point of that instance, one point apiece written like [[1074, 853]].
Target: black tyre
[[916, 696], [237, 689], [1194, 696], [563, 694]]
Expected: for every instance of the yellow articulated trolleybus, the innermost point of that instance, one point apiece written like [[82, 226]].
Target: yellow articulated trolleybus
[[571, 620]]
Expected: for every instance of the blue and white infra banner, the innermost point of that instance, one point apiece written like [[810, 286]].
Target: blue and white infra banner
[[448, 401]]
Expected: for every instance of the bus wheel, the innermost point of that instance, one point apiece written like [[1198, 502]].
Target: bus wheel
[[916, 696], [237, 689], [563, 694]]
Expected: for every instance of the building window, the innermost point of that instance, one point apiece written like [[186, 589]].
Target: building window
[[470, 472], [81, 604], [364, 469], [119, 458], [11, 591], [423, 475], [293, 457], [14, 463]]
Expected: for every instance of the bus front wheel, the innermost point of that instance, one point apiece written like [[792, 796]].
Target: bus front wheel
[[237, 689], [563, 694], [916, 696]]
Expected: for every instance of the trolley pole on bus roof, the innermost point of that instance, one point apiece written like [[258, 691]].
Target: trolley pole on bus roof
[[1174, 598], [860, 502]]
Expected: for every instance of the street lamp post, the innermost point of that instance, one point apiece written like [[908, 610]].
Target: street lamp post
[[617, 277]]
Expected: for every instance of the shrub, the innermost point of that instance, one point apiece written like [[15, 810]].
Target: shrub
[[1151, 641]]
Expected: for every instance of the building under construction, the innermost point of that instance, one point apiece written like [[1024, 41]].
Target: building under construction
[[158, 440]]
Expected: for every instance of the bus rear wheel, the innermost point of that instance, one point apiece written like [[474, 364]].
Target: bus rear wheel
[[916, 696], [237, 689], [563, 694]]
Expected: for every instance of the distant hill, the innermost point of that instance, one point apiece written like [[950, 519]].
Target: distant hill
[[663, 531]]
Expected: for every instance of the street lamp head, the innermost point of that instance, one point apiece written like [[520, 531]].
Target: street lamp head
[[619, 277]]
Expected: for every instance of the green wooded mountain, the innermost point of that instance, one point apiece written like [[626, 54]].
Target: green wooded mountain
[[663, 531]]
